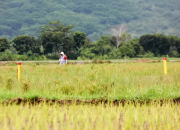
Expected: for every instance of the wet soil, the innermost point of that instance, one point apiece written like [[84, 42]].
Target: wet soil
[[122, 102]]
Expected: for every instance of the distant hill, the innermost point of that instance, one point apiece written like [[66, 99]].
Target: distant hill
[[94, 17]]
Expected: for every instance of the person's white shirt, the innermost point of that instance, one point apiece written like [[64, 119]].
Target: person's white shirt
[[62, 59]]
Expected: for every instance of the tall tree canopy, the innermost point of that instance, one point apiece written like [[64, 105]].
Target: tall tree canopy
[[79, 38], [25, 43], [4, 44], [56, 36], [157, 44]]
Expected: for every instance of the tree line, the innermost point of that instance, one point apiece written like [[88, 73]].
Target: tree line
[[147, 46], [56, 37]]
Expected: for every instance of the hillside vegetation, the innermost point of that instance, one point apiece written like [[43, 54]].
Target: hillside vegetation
[[94, 17]]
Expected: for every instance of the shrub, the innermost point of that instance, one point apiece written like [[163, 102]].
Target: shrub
[[13, 57], [4, 57], [23, 57], [173, 53], [29, 53], [44, 57], [79, 58], [26, 86], [35, 58], [9, 83], [105, 57], [39, 58], [149, 55]]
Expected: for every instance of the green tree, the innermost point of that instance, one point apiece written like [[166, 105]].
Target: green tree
[[148, 42], [127, 50], [25, 43], [101, 49], [139, 51], [56, 35], [178, 45], [79, 38], [158, 44], [4, 44], [103, 45], [68, 47], [174, 46], [163, 44]]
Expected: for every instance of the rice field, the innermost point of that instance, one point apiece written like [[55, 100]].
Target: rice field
[[115, 81], [85, 117]]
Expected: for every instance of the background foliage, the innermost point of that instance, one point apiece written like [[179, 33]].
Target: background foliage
[[56, 37], [95, 17]]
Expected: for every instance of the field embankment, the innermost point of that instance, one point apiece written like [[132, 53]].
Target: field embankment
[[123, 102]]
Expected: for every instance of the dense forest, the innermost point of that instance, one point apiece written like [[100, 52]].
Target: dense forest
[[56, 37], [94, 17]]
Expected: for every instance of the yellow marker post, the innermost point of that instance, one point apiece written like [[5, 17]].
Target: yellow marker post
[[19, 71], [165, 66]]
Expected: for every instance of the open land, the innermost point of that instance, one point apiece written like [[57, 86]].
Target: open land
[[96, 90]]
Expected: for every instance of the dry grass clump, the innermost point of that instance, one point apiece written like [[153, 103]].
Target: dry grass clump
[[9, 84], [25, 86]]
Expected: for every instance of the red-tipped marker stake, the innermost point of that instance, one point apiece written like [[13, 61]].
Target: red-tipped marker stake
[[19, 71], [165, 66]]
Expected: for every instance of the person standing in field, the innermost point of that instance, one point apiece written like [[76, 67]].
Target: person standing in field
[[62, 59]]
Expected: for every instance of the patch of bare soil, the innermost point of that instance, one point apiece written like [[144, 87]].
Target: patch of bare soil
[[122, 102], [146, 61]]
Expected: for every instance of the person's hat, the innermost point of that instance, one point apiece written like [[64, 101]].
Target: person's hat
[[62, 53]]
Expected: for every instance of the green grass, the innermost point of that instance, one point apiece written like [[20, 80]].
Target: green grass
[[131, 81]]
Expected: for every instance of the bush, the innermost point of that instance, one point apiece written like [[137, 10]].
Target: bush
[[44, 57], [39, 58], [35, 58], [23, 57], [173, 53], [105, 57], [8, 55], [4, 57], [29, 53], [79, 58], [149, 55], [13, 57]]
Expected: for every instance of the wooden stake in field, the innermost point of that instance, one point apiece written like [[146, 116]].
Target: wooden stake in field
[[19, 71], [165, 66]]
